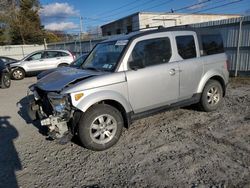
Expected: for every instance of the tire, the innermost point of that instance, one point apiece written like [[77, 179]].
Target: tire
[[63, 65], [18, 74], [5, 81], [98, 136], [212, 96]]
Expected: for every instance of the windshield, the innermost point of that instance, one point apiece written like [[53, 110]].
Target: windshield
[[105, 56]]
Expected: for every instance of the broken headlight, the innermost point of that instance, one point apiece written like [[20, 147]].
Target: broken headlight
[[58, 102]]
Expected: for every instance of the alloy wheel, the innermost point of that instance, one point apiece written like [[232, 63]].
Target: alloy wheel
[[17, 74], [6, 81], [213, 96], [103, 129]]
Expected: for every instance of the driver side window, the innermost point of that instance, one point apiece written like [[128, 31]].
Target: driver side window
[[35, 56], [150, 52]]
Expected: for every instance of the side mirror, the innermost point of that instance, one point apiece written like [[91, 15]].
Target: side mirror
[[28, 59], [136, 64]]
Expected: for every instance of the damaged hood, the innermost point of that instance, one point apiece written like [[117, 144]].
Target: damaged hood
[[60, 78]]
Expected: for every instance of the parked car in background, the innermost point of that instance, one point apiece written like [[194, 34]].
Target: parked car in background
[[39, 61], [7, 60], [127, 78], [4, 75], [77, 64]]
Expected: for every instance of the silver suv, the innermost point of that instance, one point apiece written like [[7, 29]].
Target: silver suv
[[131, 77], [39, 61]]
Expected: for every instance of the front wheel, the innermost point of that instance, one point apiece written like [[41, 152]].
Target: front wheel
[[5, 80], [212, 96], [100, 127], [18, 74]]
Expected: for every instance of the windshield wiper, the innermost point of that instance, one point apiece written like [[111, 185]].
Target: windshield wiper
[[92, 68]]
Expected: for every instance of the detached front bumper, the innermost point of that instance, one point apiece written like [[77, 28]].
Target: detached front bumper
[[40, 108]]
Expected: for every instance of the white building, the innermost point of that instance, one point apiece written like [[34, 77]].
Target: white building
[[144, 20]]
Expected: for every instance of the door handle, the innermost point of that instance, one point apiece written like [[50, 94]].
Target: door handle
[[172, 72]]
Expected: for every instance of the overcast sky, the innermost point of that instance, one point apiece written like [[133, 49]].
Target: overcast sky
[[65, 14]]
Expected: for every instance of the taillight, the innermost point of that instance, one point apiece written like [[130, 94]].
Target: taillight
[[72, 55]]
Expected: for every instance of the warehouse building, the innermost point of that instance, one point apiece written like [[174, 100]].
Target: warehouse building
[[147, 20]]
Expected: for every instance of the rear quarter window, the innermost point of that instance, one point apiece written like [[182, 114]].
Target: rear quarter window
[[63, 54], [186, 46], [212, 44]]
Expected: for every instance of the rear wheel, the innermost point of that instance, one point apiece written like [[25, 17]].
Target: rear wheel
[[5, 80], [18, 74], [100, 127], [212, 96]]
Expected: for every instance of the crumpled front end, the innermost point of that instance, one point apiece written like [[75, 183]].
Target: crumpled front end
[[53, 109]]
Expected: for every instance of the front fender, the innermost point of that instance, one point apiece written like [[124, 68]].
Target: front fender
[[96, 97], [16, 67]]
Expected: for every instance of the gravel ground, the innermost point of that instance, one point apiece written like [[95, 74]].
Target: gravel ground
[[180, 148]]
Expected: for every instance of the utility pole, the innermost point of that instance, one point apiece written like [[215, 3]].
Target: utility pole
[[81, 25], [238, 48], [80, 36]]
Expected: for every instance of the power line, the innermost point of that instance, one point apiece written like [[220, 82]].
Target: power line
[[215, 7], [202, 6], [190, 6], [234, 8], [157, 5], [121, 7], [162, 3], [183, 8], [133, 8], [175, 10], [147, 2], [187, 7], [220, 1], [233, 2]]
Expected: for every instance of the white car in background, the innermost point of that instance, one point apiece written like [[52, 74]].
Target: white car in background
[[39, 61]]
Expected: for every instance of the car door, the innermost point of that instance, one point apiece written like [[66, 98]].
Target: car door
[[190, 63], [51, 59], [34, 62], [153, 79]]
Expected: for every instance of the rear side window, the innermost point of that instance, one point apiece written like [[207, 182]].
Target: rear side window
[[150, 52], [186, 46], [51, 54], [62, 54], [212, 44]]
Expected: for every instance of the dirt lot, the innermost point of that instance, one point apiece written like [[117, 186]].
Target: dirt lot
[[181, 148]]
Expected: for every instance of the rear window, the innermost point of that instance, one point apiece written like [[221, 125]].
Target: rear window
[[212, 44], [186, 46], [63, 54]]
